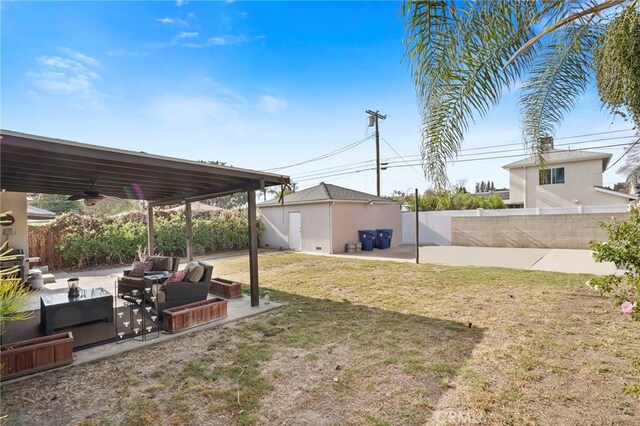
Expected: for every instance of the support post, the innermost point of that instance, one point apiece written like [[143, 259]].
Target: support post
[[187, 214], [253, 249], [417, 229], [150, 235]]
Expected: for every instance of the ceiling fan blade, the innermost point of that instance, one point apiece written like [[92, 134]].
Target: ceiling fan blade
[[76, 197]]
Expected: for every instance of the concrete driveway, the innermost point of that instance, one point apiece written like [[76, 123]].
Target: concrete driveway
[[536, 259]]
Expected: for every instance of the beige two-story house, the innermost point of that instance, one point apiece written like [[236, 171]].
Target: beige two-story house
[[569, 178]]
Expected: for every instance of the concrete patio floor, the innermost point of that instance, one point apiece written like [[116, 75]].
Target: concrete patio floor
[[237, 309]]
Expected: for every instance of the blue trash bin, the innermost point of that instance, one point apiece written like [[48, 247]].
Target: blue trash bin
[[383, 238], [367, 238]]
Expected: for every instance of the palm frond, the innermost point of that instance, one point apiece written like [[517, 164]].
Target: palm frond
[[558, 78], [459, 62], [586, 11]]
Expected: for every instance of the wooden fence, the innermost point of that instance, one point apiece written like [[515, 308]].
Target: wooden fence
[[43, 241]]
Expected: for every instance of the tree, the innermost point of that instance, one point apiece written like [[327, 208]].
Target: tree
[[483, 187], [56, 203], [464, 55], [477, 187], [232, 201]]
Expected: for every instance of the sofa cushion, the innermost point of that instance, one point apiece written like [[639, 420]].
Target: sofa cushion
[[135, 281], [195, 272], [176, 277], [139, 268], [161, 263]]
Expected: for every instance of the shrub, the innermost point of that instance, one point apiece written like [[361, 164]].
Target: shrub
[[623, 249], [100, 240]]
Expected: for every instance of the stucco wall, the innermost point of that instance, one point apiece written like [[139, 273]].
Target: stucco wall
[[315, 226], [349, 217], [580, 178], [571, 231], [16, 202]]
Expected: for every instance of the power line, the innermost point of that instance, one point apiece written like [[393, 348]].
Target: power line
[[623, 155], [356, 165], [323, 156], [356, 143], [403, 159], [359, 170]]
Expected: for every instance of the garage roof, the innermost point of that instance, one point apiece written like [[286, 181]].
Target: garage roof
[[33, 163], [325, 192]]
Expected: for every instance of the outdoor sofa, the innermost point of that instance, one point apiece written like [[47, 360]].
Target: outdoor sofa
[[161, 264], [182, 292]]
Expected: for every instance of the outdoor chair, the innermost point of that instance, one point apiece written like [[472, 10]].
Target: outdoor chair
[[182, 292], [161, 264]]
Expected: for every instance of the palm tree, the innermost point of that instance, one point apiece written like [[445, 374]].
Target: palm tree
[[463, 56]]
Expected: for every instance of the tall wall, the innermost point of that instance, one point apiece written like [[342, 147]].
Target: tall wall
[[16, 202], [569, 231], [349, 217], [315, 226]]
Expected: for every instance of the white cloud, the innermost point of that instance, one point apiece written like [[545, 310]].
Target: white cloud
[[186, 35], [72, 74], [171, 21], [81, 57], [181, 2], [272, 104], [225, 40]]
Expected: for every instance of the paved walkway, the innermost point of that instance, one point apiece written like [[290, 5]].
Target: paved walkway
[[554, 260]]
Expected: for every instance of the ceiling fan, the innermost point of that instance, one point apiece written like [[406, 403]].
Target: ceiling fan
[[90, 197]]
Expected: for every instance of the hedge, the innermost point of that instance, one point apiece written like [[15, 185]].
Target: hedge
[[77, 241]]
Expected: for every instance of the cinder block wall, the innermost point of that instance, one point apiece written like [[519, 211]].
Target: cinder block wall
[[570, 231]]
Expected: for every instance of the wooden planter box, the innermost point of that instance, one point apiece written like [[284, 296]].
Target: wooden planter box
[[187, 316], [225, 288], [33, 355]]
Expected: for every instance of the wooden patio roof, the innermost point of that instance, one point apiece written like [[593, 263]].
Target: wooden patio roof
[[31, 163]]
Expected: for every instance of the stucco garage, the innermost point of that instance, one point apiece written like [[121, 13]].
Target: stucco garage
[[325, 218]]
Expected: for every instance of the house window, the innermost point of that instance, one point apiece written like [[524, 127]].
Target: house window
[[551, 176]]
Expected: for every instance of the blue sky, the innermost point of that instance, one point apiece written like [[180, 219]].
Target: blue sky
[[256, 85]]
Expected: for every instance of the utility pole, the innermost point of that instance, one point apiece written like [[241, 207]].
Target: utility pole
[[374, 116]]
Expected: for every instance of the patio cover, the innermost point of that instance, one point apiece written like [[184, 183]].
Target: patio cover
[[30, 163], [40, 164]]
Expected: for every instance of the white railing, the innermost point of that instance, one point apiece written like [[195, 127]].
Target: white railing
[[435, 226]]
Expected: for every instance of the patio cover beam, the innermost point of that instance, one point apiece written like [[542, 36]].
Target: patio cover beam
[[209, 193]]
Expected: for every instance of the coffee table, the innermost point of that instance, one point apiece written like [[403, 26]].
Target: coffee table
[[58, 310]]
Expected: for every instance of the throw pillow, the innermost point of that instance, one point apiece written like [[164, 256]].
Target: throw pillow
[[176, 277], [195, 272], [139, 268]]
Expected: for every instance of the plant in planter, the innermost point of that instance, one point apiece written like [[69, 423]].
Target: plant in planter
[[623, 249], [13, 294]]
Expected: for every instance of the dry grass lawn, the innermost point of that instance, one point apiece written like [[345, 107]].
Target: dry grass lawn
[[368, 342]]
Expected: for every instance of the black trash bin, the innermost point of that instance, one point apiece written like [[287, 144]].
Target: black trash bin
[[383, 238], [367, 238]]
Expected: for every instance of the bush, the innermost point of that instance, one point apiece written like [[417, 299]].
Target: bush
[[623, 249], [93, 241]]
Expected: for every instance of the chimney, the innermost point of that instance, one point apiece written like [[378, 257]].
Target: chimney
[[548, 141]]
